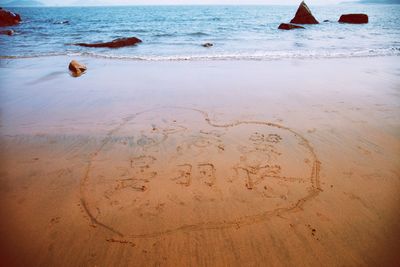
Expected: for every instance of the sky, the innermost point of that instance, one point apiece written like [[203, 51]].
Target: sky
[[177, 2]]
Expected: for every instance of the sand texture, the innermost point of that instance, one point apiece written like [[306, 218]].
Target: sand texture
[[218, 163]]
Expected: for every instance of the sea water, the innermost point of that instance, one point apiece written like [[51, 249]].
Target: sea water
[[178, 32]]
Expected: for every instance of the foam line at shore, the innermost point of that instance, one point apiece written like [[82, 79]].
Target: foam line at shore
[[395, 51]]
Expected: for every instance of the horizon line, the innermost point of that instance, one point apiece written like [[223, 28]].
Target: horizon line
[[250, 4]]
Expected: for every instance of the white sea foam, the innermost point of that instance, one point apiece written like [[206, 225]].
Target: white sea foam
[[211, 57]]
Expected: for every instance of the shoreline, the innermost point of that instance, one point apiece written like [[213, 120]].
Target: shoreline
[[47, 76], [199, 58]]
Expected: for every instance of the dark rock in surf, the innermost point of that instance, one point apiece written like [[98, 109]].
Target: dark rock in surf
[[354, 18], [207, 45], [61, 22], [76, 68], [304, 15], [117, 43], [7, 32], [8, 18], [288, 26]]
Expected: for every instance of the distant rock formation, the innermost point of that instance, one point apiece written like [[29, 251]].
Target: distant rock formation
[[288, 26], [117, 43], [76, 68], [22, 3], [379, 1], [304, 15], [8, 18], [207, 45], [354, 18]]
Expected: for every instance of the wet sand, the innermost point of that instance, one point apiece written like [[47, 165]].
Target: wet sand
[[218, 163]]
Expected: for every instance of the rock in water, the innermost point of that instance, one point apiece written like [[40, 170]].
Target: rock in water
[[8, 18], [76, 68], [304, 15], [207, 45], [7, 32], [115, 43], [288, 26], [354, 18], [61, 22]]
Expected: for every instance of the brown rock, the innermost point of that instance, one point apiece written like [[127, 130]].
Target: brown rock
[[288, 26], [8, 18], [7, 32], [354, 18], [304, 15], [76, 68], [117, 43]]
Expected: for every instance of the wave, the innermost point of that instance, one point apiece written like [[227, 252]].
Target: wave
[[198, 34], [210, 57], [194, 34], [165, 35], [138, 30]]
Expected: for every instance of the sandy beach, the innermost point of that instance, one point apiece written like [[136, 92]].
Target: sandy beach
[[200, 163]]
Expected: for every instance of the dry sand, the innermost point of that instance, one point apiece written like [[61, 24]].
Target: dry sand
[[219, 163]]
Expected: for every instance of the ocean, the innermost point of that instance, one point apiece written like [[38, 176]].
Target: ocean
[[177, 32]]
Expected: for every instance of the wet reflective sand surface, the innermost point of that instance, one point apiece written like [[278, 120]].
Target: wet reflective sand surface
[[283, 163]]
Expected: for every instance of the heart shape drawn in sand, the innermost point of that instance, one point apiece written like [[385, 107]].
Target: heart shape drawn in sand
[[173, 169]]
